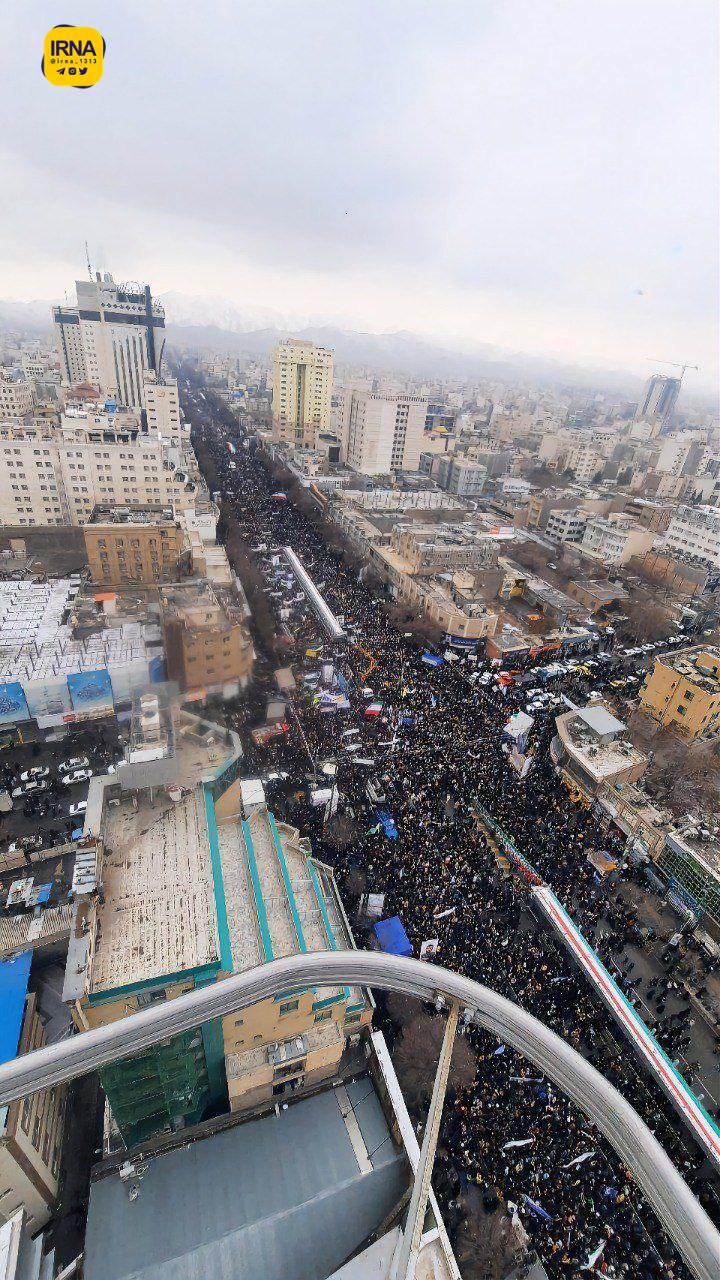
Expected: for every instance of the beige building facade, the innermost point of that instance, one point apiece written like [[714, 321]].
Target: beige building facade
[[683, 690], [385, 432], [207, 642], [302, 392], [126, 545], [57, 473]]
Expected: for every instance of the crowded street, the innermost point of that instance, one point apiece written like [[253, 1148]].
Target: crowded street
[[433, 747]]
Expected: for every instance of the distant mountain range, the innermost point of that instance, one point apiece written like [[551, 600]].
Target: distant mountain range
[[215, 324]]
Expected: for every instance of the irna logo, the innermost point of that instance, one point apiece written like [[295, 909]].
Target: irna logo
[[73, 56]]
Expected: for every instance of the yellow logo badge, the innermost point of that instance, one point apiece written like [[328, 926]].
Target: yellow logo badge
[[73, 56]]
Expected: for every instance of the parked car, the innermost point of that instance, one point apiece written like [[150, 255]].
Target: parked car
[[28, 788], [76, 809], [77, 775], [75, 762], [38, 772]]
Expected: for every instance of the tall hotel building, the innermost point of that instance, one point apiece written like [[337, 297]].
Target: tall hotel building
[[111, 339]]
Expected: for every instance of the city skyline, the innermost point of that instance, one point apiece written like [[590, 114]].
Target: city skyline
[[536, 178]]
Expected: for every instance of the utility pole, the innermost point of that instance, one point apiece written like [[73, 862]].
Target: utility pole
[[412, 1235]]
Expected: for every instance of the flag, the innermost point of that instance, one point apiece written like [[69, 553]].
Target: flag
[[537, 1208], [500, 1049], [518, 1142], [594, 1257], [579, 1159]]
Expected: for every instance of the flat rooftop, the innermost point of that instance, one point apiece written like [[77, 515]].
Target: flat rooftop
[[158, 915], [685, 664], [583, 741], [279, 900], [35, 644], [106, 514], [283, 1196]]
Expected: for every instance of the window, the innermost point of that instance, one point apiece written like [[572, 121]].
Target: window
[[146, 998], [290, 1069], [323, 1014], [288, 1006]]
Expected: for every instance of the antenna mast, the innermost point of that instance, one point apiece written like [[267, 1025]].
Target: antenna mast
[[87, 259]]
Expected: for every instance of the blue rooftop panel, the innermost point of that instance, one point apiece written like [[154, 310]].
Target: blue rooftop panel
[[14, 975]]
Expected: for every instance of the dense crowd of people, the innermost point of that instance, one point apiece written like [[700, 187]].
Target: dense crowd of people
[[513, 1136]]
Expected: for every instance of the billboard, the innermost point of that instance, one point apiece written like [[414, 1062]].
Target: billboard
[[13, 706], [91, 690]]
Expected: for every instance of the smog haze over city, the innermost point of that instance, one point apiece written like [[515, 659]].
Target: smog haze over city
[[359, 640], [535, 177]]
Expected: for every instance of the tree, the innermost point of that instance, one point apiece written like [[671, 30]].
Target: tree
[[644, 618], [683, 775], [489, 1246], [416, 1055]]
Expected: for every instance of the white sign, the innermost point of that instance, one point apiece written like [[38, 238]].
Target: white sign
[[429, 948], [375, 905]]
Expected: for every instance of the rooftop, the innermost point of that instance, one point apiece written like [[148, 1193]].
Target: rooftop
[[282, 1196], [158, 913], [696, 665], [591, 738], [279, 900], [601, 721], [112, 514], [36, 644], [198, 603]]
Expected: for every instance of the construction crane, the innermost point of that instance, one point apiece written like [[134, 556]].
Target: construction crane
[[676, 365]]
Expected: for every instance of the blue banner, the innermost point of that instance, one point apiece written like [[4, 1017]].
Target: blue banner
[[90, 690], [13, 706]]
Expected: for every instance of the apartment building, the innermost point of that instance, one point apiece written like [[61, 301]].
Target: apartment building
[[283, 901], [683, 689], [57, 472], [566, 526], [200, 881], [428, 549], [385, 432], [592, 751], [110, 338], [695, 531], [207, 642], [651, 515], [162, 408], [659, 398], [32, 1128], [584, 460], [459, 607], [615, 539], [459, 475], [129, 545], [17, 399], [301, 392]]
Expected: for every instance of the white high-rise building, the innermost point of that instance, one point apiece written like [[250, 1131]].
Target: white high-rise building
[[385, 433], [695, 532], [302, 391], [111, 338], [162, 406]]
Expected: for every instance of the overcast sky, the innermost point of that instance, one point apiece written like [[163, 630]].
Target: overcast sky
[[538, 175]]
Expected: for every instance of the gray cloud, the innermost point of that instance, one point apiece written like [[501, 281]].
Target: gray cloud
[[529, 168]]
